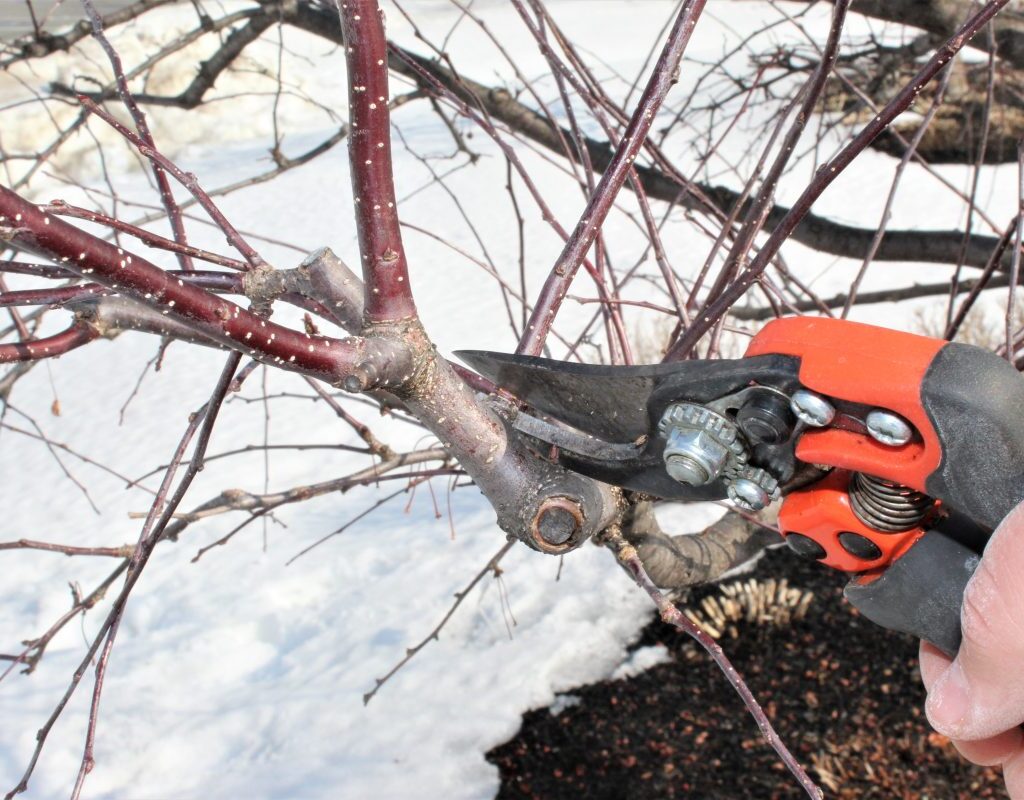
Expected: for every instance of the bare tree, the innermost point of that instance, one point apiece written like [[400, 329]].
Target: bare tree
[[768, 112]]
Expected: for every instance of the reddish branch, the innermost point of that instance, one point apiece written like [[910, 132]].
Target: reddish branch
[[427, 72], [758, 211], [148, 238], [220, 282], [186, 179], [142, 126], [385, 271], [54, 296], [49, 346], [27, 227], [562, 75], [628, 557]]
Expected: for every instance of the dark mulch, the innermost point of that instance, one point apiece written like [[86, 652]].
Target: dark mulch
[[845, 696]]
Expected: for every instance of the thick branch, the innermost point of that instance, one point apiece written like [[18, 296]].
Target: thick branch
[[25, 226], [385, 271], [676, 562], [111, 316], [943, 17]]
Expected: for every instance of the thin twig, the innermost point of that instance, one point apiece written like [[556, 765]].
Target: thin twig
[[410, 653], [628, 557]]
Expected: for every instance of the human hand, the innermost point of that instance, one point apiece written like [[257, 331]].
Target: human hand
[[977, 699]]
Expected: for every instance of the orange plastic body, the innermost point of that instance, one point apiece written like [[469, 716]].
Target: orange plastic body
[[823, 511], [876, 367]]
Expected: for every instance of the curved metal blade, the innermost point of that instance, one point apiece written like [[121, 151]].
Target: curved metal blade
[[614, 411], [581, 444], [607, 402]]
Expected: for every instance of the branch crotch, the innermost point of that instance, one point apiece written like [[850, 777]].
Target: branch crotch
[[541, 503]]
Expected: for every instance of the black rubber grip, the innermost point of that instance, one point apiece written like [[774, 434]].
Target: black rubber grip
[[975, 401], [922, 593]]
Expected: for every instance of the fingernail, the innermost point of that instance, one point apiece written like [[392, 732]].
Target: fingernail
[[949, 700]]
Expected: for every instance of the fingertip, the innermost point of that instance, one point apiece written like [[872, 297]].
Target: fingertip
[[1013, 775], [978, 696], [993, 751], [933, 663], [1015, 519], [949, 702]]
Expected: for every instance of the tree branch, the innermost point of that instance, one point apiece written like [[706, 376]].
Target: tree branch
[[826, 174], [677, 562], [48, 347], [385, 271], [27, 227], [628, 558], [664, 75], [943, 17]]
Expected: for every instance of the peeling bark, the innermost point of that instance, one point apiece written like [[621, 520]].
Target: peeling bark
[[676, 562]]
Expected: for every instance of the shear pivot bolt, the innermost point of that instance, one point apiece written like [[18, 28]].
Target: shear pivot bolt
[[766, 419], [812, 409], [888, 428], [748, 495], [694, 458]]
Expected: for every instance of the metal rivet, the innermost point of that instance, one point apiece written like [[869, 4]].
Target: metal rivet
[[805, 546], [748, 495], [811, 408], [859, 546], [888, 428]]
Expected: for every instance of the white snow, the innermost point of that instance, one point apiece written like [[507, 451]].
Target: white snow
[[239, 676], [641, 660]]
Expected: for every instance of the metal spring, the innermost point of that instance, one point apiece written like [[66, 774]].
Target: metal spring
[[887, 506]]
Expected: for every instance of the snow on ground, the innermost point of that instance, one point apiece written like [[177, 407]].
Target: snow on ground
[[241, 676]]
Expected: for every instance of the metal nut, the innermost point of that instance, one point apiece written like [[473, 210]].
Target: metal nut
[[811, 408], [694, 458], [888, 428]]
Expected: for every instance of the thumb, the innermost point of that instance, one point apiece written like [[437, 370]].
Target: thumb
[[981, 693]]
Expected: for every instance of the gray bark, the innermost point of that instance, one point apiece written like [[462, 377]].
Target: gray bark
[[943, 17], [676, 562]]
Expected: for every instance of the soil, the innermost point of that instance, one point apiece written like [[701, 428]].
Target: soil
[[844, 695]]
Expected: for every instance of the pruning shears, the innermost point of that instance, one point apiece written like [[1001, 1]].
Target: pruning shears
[[895, 455]]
